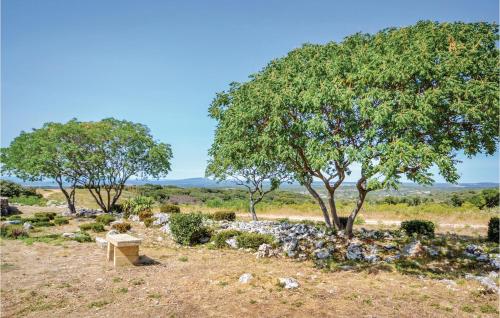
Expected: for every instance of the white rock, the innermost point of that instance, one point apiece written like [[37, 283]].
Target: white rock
[[27, 226], [245, 278], [289, 283], [113, 232], [232, 242], [69, 235], [322, 253], [102, 243], [413, 249]]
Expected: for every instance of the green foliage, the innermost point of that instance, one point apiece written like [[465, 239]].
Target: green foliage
[[148, 222], [11, 189], [382, 102], [220, 238], [95, 226], [59, 220], [456, 200], [137, 205], [105, 218], [28, 200], [187, 229], [493, 229], [47, 215], [100, 156], [145, 215], [420, 227], [253, 240], [122, 227], [224, 215], [12, 231], [491, 197], [169, 208]]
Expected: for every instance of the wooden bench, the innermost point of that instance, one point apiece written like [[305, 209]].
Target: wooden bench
[[123, 249]]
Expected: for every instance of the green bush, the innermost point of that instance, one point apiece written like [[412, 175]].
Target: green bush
[[105, 218], [11, 189], [145, 215], [28, 200], [48, 215], [224, 215], [12, 231], [14, 217], [95, 226], [60, 220], [253, 240], [123, 227], [220, 238], [82, 237], [187, 229], [169, 208], [493, 225], [148, 222], [420, 227], [137, 204]]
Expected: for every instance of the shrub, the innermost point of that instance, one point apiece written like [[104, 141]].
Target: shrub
[[224, 215], [12, 231], [123, 227], [28, 200], [145, 215], [343, 221], [14, 217], [105, 218], [220, 238], [11, 189], [493, 225], [253, 240], [137, 204], [148, 222], [170, 208], [420, 227], [491, 197], [187, 228], [60, 220], [48, 215], [95, 226], [82, 237]]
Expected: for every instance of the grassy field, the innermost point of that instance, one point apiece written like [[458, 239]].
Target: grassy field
[[60, 278], [434, 211]]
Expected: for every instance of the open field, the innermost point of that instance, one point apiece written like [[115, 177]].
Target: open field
[[466, 219], [66, 278]]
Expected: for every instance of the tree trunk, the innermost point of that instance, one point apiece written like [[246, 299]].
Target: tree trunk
[[359, 203], [321, 204], [333, 210], [70, 198], [252, 210]]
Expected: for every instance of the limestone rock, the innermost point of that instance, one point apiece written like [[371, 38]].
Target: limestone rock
[[413, 249], [245, 278], [289, 283]]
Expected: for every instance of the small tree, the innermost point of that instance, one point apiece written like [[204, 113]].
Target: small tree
[[46, 153], [236, 154], [115, 150]]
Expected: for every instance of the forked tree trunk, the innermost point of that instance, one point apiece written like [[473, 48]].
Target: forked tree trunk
[[359, 203]]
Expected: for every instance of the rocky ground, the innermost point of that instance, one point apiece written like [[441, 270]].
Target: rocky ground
[[334, 276]]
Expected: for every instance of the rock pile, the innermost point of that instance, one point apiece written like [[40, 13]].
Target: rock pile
[[477, 253]]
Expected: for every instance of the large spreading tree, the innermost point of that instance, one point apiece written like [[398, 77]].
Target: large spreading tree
[[392, 105], [100, 156]]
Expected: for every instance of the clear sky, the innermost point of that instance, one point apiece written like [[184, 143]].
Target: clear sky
[[160, 63]]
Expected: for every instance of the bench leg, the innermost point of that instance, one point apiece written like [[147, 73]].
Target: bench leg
[[111, 252], [126, 255]]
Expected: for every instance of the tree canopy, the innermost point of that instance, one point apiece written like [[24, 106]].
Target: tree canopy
[[394, 104], [100, 156]]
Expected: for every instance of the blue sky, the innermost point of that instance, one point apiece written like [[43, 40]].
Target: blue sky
[[160, 63]]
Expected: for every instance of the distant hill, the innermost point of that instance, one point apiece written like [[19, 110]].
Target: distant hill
[[210, 183]]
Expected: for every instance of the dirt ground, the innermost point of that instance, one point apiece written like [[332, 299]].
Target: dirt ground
[[74, 280]]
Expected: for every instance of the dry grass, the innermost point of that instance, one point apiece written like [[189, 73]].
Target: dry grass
[[73, 279]]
